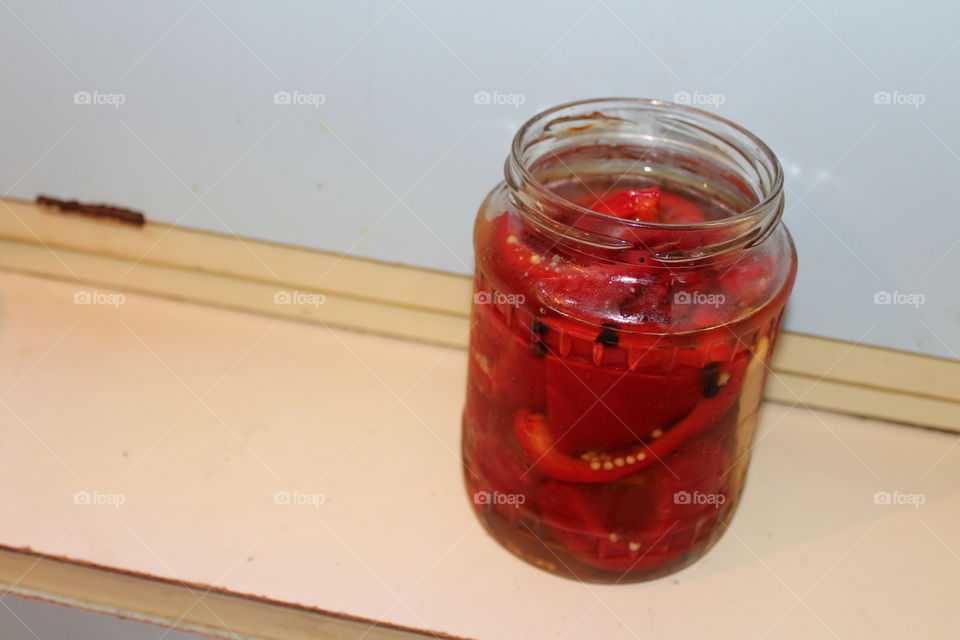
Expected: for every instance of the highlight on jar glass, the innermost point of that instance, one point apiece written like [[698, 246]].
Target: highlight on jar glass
[[631, 276]]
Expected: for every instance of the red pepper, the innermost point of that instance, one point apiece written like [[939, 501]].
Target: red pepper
[[501, 362], [552, 277], [512, 255], [670, 209], [637, 292], [650, 300], [676, 209], [632, 204], [583, 516], [644, 520], [595, 408], [749, 279], [640, 558], [618, 527], [533, 433]]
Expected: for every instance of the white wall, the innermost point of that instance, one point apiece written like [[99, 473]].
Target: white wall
[[394, 163]]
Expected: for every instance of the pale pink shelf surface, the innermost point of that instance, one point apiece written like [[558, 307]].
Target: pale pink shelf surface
[[195, 418]]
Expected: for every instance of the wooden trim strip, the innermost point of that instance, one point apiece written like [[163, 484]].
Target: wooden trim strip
[[241, 258], [870, 402]]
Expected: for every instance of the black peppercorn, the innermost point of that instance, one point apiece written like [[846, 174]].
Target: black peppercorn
[[538, 348], [711, 379], [608, 335]]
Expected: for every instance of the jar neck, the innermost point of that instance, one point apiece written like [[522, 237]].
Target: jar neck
[[596, 147]]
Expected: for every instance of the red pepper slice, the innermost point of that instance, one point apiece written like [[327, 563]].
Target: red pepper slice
[[632, 405], [632, 204], [533, 433], [502, 364], [636, 292], [637, 558], [583, 516], [652, 205], [649, 302], [512, 256], [598, 289], [748, 280], [617, 527], [676, 209]]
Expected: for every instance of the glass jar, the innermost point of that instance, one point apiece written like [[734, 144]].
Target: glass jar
[[631, 275]]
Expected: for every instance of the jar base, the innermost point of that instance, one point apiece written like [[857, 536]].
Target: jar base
[[534, 545]]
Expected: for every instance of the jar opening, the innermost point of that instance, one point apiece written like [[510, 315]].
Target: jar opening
[[593, 148]]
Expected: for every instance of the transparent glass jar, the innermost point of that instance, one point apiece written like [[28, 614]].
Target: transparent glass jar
[[631, 275]]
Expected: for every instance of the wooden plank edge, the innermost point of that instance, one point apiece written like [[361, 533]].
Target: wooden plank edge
[[90, 271], [185, 606]]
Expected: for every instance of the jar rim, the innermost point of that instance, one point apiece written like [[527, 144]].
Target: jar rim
[[765, 204]]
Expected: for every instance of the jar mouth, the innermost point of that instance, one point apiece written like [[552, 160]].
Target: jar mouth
[[704, 150]]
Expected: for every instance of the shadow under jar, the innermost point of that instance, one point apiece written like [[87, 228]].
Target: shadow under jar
[[631, 276]]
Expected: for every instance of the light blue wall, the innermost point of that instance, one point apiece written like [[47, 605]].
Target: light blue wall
[[23, 619], [872, 187]]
